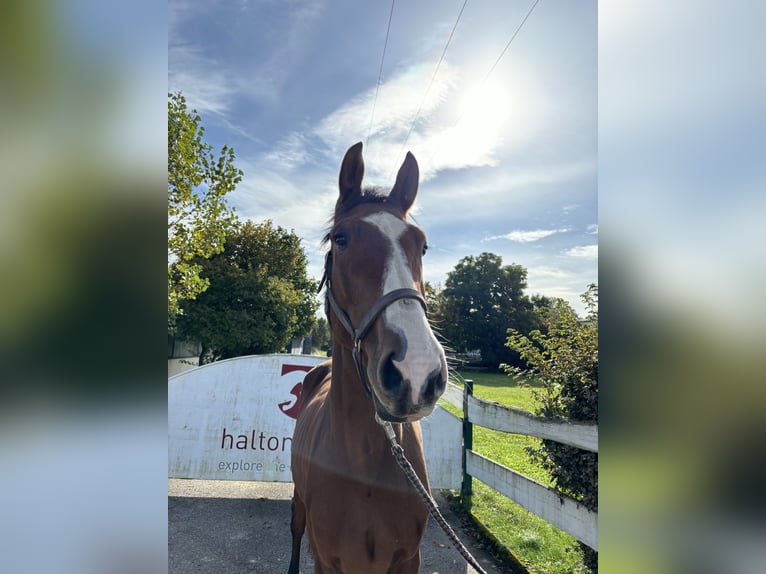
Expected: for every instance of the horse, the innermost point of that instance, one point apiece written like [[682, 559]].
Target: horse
[[361, 514]]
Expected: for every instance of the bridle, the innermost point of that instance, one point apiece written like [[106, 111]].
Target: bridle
[[357, 334]]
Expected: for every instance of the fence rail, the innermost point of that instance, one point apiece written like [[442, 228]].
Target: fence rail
[[519, 421], [560, 510]]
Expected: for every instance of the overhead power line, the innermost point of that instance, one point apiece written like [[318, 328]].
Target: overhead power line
[[497, 61], [380, 74], [516, 33], [500, 57], [428, 89]]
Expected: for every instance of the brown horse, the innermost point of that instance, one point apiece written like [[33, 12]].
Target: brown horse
[[361, 513]]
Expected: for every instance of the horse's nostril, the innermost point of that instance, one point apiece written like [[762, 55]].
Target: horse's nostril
[[435, 385], [390, 375]]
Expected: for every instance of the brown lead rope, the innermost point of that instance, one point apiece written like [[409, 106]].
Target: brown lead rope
[[409, 472]]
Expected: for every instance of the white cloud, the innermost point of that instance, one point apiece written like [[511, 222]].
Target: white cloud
[[441, 138], [545, 273], [203, 82], [583, 252], [190, 70], [566, 284], [500, 183], [592, 229], [262, 193], [397, 104], [520, 236], [290, 152], [213, 83]]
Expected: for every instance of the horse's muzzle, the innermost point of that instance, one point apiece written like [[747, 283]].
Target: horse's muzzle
[[398, 401]]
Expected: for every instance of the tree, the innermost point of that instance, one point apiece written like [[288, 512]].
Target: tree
[[321, 338], [564, 358], [434, 299], [198, 217], [259, 296], [481, 300]]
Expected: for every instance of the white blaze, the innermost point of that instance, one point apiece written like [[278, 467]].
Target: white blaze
[[424, 353]]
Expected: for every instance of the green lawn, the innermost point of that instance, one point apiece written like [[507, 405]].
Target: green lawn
[[540, 547]]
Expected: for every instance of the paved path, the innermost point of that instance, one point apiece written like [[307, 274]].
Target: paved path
[[229, 526]]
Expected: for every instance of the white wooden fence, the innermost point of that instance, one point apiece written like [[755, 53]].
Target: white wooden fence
[[561, 511]]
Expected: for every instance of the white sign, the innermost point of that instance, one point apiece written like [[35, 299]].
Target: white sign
[[234, 420]]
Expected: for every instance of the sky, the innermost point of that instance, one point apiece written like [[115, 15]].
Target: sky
[[507, 147]]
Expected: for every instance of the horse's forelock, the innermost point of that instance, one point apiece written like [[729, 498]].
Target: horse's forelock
[[374, 195], [370, 195]]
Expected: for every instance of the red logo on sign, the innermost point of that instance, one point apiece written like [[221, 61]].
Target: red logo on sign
[[291, 406]]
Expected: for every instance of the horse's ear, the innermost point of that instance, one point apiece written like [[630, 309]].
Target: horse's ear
[[406, 186], [351, 174]]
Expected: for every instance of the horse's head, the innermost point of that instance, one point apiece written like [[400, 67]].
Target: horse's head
[[376, 280]]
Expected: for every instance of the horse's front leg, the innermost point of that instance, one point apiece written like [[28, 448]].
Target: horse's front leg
[[297, 526]]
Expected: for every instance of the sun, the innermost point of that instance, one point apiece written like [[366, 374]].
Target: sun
[[480, 125], [485, 108], [484, 122]]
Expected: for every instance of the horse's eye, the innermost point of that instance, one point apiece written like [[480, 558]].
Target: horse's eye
[[425, 248], [340, 240]]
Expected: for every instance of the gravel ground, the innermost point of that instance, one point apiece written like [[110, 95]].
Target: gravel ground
[[219, 526]]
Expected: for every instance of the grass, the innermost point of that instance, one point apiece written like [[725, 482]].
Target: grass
[[540, 547]]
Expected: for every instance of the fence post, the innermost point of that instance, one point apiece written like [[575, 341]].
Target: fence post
[[466, 488]]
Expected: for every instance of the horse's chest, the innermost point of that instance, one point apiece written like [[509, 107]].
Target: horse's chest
[[353, 506]]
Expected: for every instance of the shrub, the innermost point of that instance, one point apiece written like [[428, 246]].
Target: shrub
[[563, 357]]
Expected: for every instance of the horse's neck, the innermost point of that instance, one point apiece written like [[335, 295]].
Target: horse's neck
[[352, 410], [359, 443]]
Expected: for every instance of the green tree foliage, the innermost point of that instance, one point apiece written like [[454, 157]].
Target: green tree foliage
[[434, 296], [259, 297], [198, 217], [481, 300], [563, 356], [321, 338], [434, 299]]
